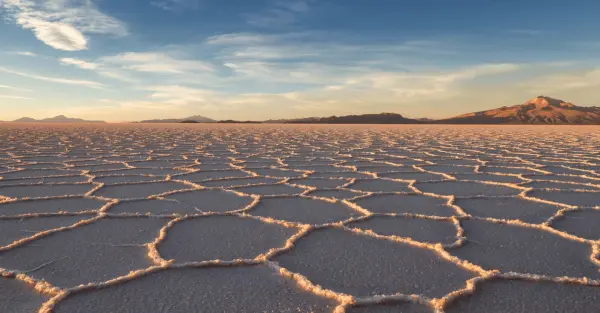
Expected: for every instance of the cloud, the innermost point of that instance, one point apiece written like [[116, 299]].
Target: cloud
[[357, 94], [14, 97], [176, 5], [99, 69], [59, 36], [565, 81], [296, 6], [180, 95], [113, 74], [237, 39], [15, 88], [26, 53], [79, 63], [156, 62], [62, 24], [378, 88], [281, 14], [84, 83]]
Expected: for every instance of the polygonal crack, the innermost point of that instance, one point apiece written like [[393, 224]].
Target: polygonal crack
[[344, 262], [303, 210], [223, 238], [409, 203], [466, 189], [81, 255], [211, 200], [503, 247], [272, 190], [217, 289], [378, 185], [583, 223], [17, 297], [418, 229], [501, 296], [508, 208], [70, 205], [12, 230], [138, 191], [39, 191]]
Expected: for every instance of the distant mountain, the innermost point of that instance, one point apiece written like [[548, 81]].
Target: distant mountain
[[539, 110], [194, 118], [26, 120], [294, 120], [381, 118], [239, 122], [56, 119]]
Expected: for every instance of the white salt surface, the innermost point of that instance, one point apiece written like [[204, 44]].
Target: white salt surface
[[271, 218]]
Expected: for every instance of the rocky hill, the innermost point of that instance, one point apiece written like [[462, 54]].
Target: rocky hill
[[539, 110]]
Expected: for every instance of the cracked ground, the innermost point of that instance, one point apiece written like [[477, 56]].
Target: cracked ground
[[276, 218]]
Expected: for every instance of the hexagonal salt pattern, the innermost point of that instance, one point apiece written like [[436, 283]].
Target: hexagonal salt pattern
[[299, 219]]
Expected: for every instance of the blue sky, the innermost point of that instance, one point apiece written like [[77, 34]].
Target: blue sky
[[122, 60]]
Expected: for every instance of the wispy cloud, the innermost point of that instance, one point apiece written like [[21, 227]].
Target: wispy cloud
[[237, 39], [76, 82], [294, 5], [79, 63], [62, 24], [26, 53], [118, 75], [180, 95], [176, 5], [100, 69], [15, 88], [309, 58], [156, 62], [572, 80], [15, 97], [281, 13], [356, 94]]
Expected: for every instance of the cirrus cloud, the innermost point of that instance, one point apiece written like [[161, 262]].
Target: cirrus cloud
[[61, 24], [76, 82]]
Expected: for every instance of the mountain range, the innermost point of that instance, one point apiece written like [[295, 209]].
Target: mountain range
[[382, 118], [190, 119], [539, 110], [56, 119]]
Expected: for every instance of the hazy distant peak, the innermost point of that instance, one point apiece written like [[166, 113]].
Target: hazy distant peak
[[58, 119], [26, 119], [194, 118], [61, 118], [199, 118]]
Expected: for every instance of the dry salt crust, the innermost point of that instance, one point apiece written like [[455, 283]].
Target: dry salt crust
[[262, 218]]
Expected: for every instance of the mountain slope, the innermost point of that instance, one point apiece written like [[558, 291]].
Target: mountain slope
[[194, 118], [25, 120], [381, 118], [539, 110], [55, 119]]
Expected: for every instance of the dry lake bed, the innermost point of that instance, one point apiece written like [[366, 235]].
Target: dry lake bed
[[280, 218]]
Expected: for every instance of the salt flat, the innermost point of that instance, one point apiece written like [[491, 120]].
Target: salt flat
[[307, 218]]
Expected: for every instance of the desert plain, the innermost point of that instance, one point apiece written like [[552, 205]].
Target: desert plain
[[127, 218]]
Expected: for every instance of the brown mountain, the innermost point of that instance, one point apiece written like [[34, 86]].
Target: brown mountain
[[194, 118], [56, 119], [381, 118], [539, 110]]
